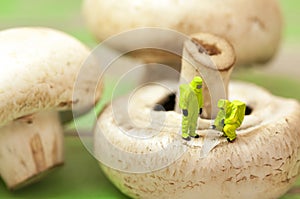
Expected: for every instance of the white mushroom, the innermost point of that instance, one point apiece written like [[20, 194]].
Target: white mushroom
[[253, 27], [262, 163], [37, 76], [142, 152]]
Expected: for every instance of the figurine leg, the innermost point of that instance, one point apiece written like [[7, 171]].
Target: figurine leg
[[229, 131], [219, 127], [193, 125], [185, 127], [219, 124]]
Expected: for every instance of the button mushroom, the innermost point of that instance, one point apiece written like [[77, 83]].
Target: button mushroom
[[152, 161], [253, 27], [37, 74]]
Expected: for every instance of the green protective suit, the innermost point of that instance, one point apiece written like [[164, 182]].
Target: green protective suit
[[234, 119], [190, 101], [225, 108]]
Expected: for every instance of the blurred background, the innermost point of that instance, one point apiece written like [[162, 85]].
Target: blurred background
[[81, 177]]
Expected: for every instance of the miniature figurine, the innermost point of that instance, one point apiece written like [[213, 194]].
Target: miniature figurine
[[234, 119], [190, 102], [230, 117]]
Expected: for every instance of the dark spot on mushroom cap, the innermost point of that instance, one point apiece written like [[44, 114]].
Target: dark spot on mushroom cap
[[67, 103], [26, 118], [29, 121], [210, 49], [166, 104], [62, 104], [248, 110]]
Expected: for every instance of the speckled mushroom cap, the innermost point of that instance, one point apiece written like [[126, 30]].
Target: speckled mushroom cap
[[38, 69], [263, 162], [253, 27]]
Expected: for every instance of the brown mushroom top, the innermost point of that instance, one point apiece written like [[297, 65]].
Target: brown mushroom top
[[38, 69], [253, 27]]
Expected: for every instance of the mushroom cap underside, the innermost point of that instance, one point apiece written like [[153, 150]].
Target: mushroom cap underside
[[38, 71], [262, 163]]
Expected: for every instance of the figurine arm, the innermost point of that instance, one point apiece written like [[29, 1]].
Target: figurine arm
[[200, 99], [183, 97]]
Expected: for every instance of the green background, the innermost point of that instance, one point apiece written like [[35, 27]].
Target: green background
[[81, 177]]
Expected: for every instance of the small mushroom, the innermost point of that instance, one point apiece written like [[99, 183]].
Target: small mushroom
[[142, 152], [253, 27], [37, 74]]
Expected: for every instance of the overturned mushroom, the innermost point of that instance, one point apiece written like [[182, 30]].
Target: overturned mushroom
[[142, 153], [262, 163], [253, 27], [37, 75]]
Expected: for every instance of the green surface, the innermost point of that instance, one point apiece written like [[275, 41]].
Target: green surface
[[291, 10], [81, 177], [63, 15], [277, 85]]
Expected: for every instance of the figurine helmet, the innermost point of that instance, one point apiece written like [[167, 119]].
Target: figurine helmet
[[196, 83]]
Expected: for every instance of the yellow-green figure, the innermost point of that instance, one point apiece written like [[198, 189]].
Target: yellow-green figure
[[225, 109], [191, 102], [234, 119]]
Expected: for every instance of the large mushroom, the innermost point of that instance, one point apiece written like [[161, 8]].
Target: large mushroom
[[37, 74], [252, 27], [142, 153]]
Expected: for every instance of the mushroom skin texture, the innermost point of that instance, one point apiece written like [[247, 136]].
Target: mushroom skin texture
[[253, 27], [38, 70], [262, 163]]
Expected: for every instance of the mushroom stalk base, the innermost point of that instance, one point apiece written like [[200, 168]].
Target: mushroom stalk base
[[30, 147]]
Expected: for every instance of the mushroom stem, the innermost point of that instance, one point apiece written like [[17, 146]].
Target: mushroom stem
[[29, 147], [211, 58]]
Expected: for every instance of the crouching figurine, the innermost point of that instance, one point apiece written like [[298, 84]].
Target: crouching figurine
[[230, 117]]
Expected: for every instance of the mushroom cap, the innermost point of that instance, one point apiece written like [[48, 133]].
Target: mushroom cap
[[38, 69], [263, 162], [253, 27]]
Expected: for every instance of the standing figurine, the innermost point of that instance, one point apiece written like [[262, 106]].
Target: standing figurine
[[230, 117], [190, 102]]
